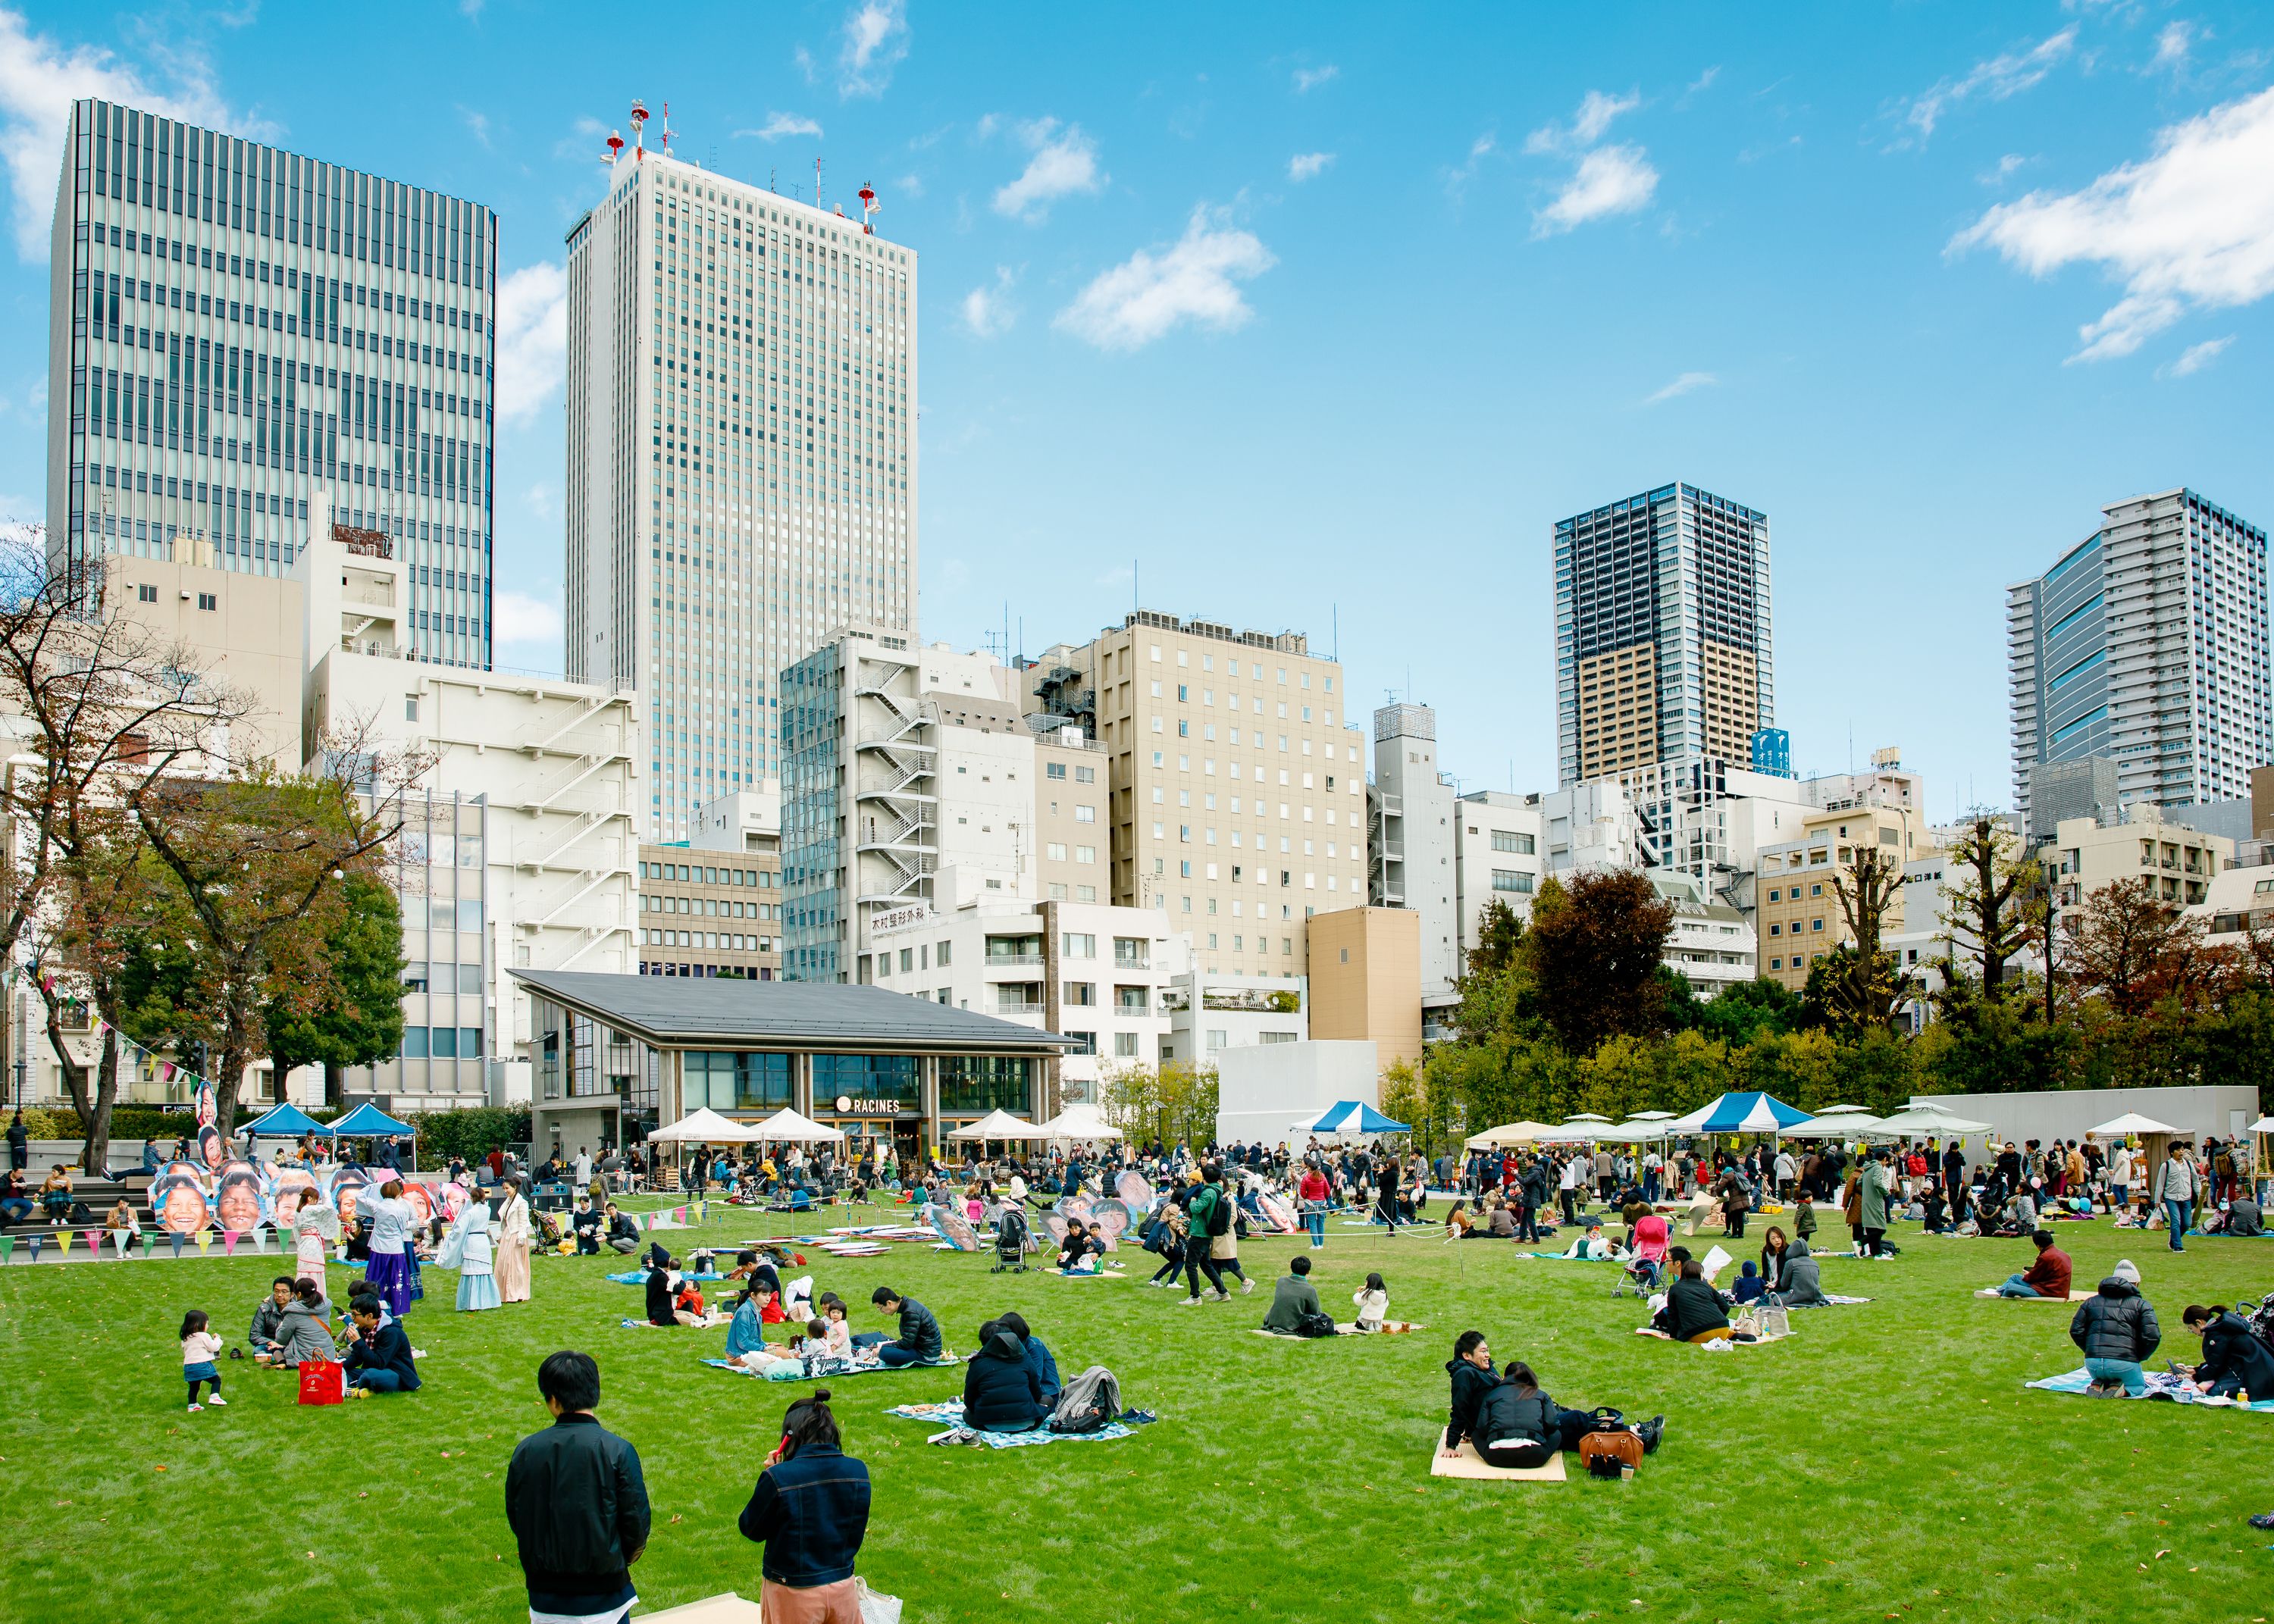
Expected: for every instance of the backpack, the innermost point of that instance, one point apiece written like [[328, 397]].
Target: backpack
[[1219, 1219], [1157, 1236], [1089, 1401], [2262, 1323], [1314, 1324]]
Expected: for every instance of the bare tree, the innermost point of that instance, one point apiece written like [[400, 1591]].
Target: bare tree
[[100, 706], [1868, 989], [1984, 916]]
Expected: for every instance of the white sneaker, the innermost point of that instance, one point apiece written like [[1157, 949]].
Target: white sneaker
[[1220, 1295], [1247, 1287], [195, 1408], [218, 1399], [1185, 1302]]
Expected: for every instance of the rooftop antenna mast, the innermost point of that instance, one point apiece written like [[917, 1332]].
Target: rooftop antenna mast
[[817, 182], [663, 143], [639, 128], [869, 207]]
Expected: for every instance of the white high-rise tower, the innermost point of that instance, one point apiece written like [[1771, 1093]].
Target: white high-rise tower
[[742, 458]]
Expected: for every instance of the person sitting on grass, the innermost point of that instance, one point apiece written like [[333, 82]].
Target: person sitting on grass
[[1518, 1425], [1473, 1377], [586, 1223], [2115, 1328], [263, 1337], [305, 1330], [1801, 1279], [2048, 1275], [378, 1358], [687, 1306], [1775, 1250], [1694, 1310], [1292, 1298], [1076, 1249], [2234, 1361], [1749, 1285], [1000, 1392], [660, 1310], [623, 1234], [1038, 1358], [1593, 1246], [919, 1342]]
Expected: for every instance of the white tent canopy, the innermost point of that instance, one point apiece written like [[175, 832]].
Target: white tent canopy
[[786, 1125], [2264, 1125], [998, 1125], [1837, 1121], [1651, 1117], [1924, 1117], [1509, 1133], [1583, 1116], [706, 1127], [2132, 1122], [1077, 1122]]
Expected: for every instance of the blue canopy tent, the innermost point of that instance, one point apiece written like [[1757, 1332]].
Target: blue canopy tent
[[367, 1121], [283, 1122], [1739, 1113], [1351, 1117]]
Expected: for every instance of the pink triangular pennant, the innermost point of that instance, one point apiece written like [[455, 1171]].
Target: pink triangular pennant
[[94, 1242], [228, 1239]]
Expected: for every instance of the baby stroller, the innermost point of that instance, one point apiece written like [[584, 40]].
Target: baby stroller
[[1011, 1242], [1645, 1268]]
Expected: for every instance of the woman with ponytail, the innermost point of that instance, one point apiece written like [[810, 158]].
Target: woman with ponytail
[[811, 1510]]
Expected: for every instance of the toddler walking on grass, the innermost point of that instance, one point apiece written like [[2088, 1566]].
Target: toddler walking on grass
[[199, 1346]]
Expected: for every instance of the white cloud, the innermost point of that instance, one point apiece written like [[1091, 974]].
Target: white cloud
[[40, 78], [1588, 125], [802, 59], [1681, 386], [1308, 166], [539, 499], [876, 38], [1610, 180], [987, 309], [2196, 357], [781, 126], [521, 619], [1997, 79], [909, 187], [1148, 295], [1307, 80], [532, 339], [2007, 165], [1699, 86], [478, 122], [2171, 46], [1065, 162], [2190, 227], [1457, 181]]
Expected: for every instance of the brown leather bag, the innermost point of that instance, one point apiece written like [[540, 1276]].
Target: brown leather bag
[[1607, 1454]]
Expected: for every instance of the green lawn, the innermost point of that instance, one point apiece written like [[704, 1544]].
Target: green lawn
[[1885, 1461]]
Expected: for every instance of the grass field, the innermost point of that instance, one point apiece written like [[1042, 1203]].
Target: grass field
[[1884, 1462]]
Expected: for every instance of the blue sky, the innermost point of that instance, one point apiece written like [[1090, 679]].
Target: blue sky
[[1320, 316]]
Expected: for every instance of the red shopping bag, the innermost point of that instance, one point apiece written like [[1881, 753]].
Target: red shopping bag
[[322, 1382]]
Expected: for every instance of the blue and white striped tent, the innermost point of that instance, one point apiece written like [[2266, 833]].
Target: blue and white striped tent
[[1739, 1113], [1348, 1117]]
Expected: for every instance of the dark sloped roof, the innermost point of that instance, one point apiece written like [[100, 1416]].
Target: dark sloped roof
[[678, 1011]]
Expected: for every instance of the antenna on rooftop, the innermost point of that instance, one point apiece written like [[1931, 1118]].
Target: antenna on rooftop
[[869, 207], [639, 128]]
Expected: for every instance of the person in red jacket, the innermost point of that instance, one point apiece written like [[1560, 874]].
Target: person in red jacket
[[2048, 1276], [1314, 1187]]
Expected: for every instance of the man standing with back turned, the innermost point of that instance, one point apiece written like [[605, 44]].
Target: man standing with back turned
[[577, 1504]]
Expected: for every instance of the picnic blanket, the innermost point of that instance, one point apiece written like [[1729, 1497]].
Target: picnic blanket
[[1831, 1300], [1402, 1327], [2073, 1296], [1644, 1330], [782, 1372], [1468, 1464], [638, 1277], [950, 1415], [710, 1322], [2161, 1384]]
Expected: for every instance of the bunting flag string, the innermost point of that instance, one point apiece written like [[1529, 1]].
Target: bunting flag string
[[7, 1248], [228, 1239], [178, 1237], [64, 1241], [95, 1244], [37, 1241], [150, 1244], [205, 1239]]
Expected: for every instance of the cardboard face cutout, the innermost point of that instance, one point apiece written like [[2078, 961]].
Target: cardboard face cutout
[[349, 1184], [237, 1206], [178, 1197]]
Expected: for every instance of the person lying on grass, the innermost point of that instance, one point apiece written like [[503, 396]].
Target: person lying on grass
[[1510, 1421]]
